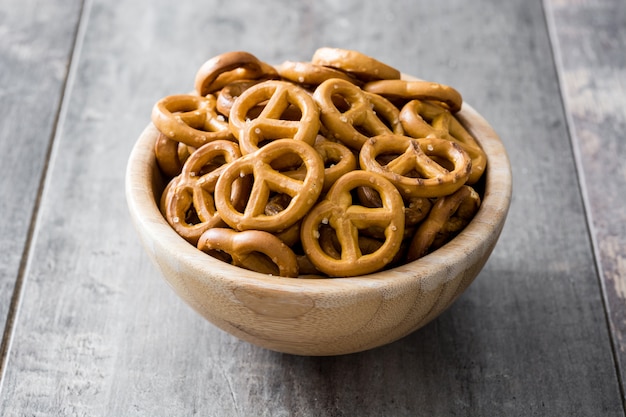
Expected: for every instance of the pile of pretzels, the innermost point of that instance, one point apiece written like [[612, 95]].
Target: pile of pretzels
[[335, 167]]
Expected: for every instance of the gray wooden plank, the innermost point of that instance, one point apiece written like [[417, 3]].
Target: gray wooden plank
[[590, 38], [36, 41], [99, 333]]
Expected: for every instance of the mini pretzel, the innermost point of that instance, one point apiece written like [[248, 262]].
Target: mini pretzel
[[309, 74], [420, 90], [266, 179], [228, 67], [368, 113], [435, 230], [229, 93], [252, 249], [269, 125], [414, 171], [191, 193], [338, 211], [190, 119], [356, 63], [170, 155], [422, 119]]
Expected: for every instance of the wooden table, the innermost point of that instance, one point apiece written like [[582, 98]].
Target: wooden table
[[91, 329]]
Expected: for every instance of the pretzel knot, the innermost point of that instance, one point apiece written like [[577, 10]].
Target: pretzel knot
[[269, 124], [189, 202], [422, 119], [251, 249], [267, 180], [447, 217], [192, 120], [427, 167], [347, 219], [364, 113]]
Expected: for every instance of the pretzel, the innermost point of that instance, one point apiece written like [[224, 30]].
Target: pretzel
[[338, 211], [420, 90], [190, 194], [355, 63], [266, 179], [170, 155], [190, 119], [338, 159], [228, 67], [251, 249], [268, 124], [422, 119], [309, 74], [440, 224], [366, 113], [414, 171], [229, 93]]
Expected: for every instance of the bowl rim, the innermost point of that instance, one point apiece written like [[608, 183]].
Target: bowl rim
[[470, 244]]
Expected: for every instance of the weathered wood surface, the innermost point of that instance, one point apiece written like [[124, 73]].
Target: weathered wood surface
[[98, 332], [36, 42], [590, 38]]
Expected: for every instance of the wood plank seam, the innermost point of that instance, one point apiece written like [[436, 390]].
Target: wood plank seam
[[61, 109], [582, 184]]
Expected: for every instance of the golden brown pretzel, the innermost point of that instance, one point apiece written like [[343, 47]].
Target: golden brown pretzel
[[309, 74], [269, 125], [267, 180], [170, 155], [420, 90], [189, 202], [437, 228], [338, 160], [422, 119], [228, 67], [414, 171], [366, 112], [251, 249], [229, 93], [356, 63], [338, 211], [190, 119]]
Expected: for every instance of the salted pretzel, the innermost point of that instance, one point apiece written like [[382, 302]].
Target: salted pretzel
[[255, 250], [269, 125], [189, 201], [190, 119], [448, 215], [339, 212], [422, 119], [227, 95], [266, 180], [170, 155], [365, 112], [309, 74], [416, 90], [355, 63], [225, 68], [417, 171]]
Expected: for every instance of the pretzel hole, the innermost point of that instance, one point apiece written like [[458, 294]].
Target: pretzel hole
[[258, 262], [220, 255], [191, 216], [276, 203]]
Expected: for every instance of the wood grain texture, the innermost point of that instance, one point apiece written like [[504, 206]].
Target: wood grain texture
[[100, 333], [36, 41], [590, 38]]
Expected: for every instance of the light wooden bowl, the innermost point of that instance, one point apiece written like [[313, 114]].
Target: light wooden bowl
[[321, 316]]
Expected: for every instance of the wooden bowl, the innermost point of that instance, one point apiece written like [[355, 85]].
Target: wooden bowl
[[321, 316]]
